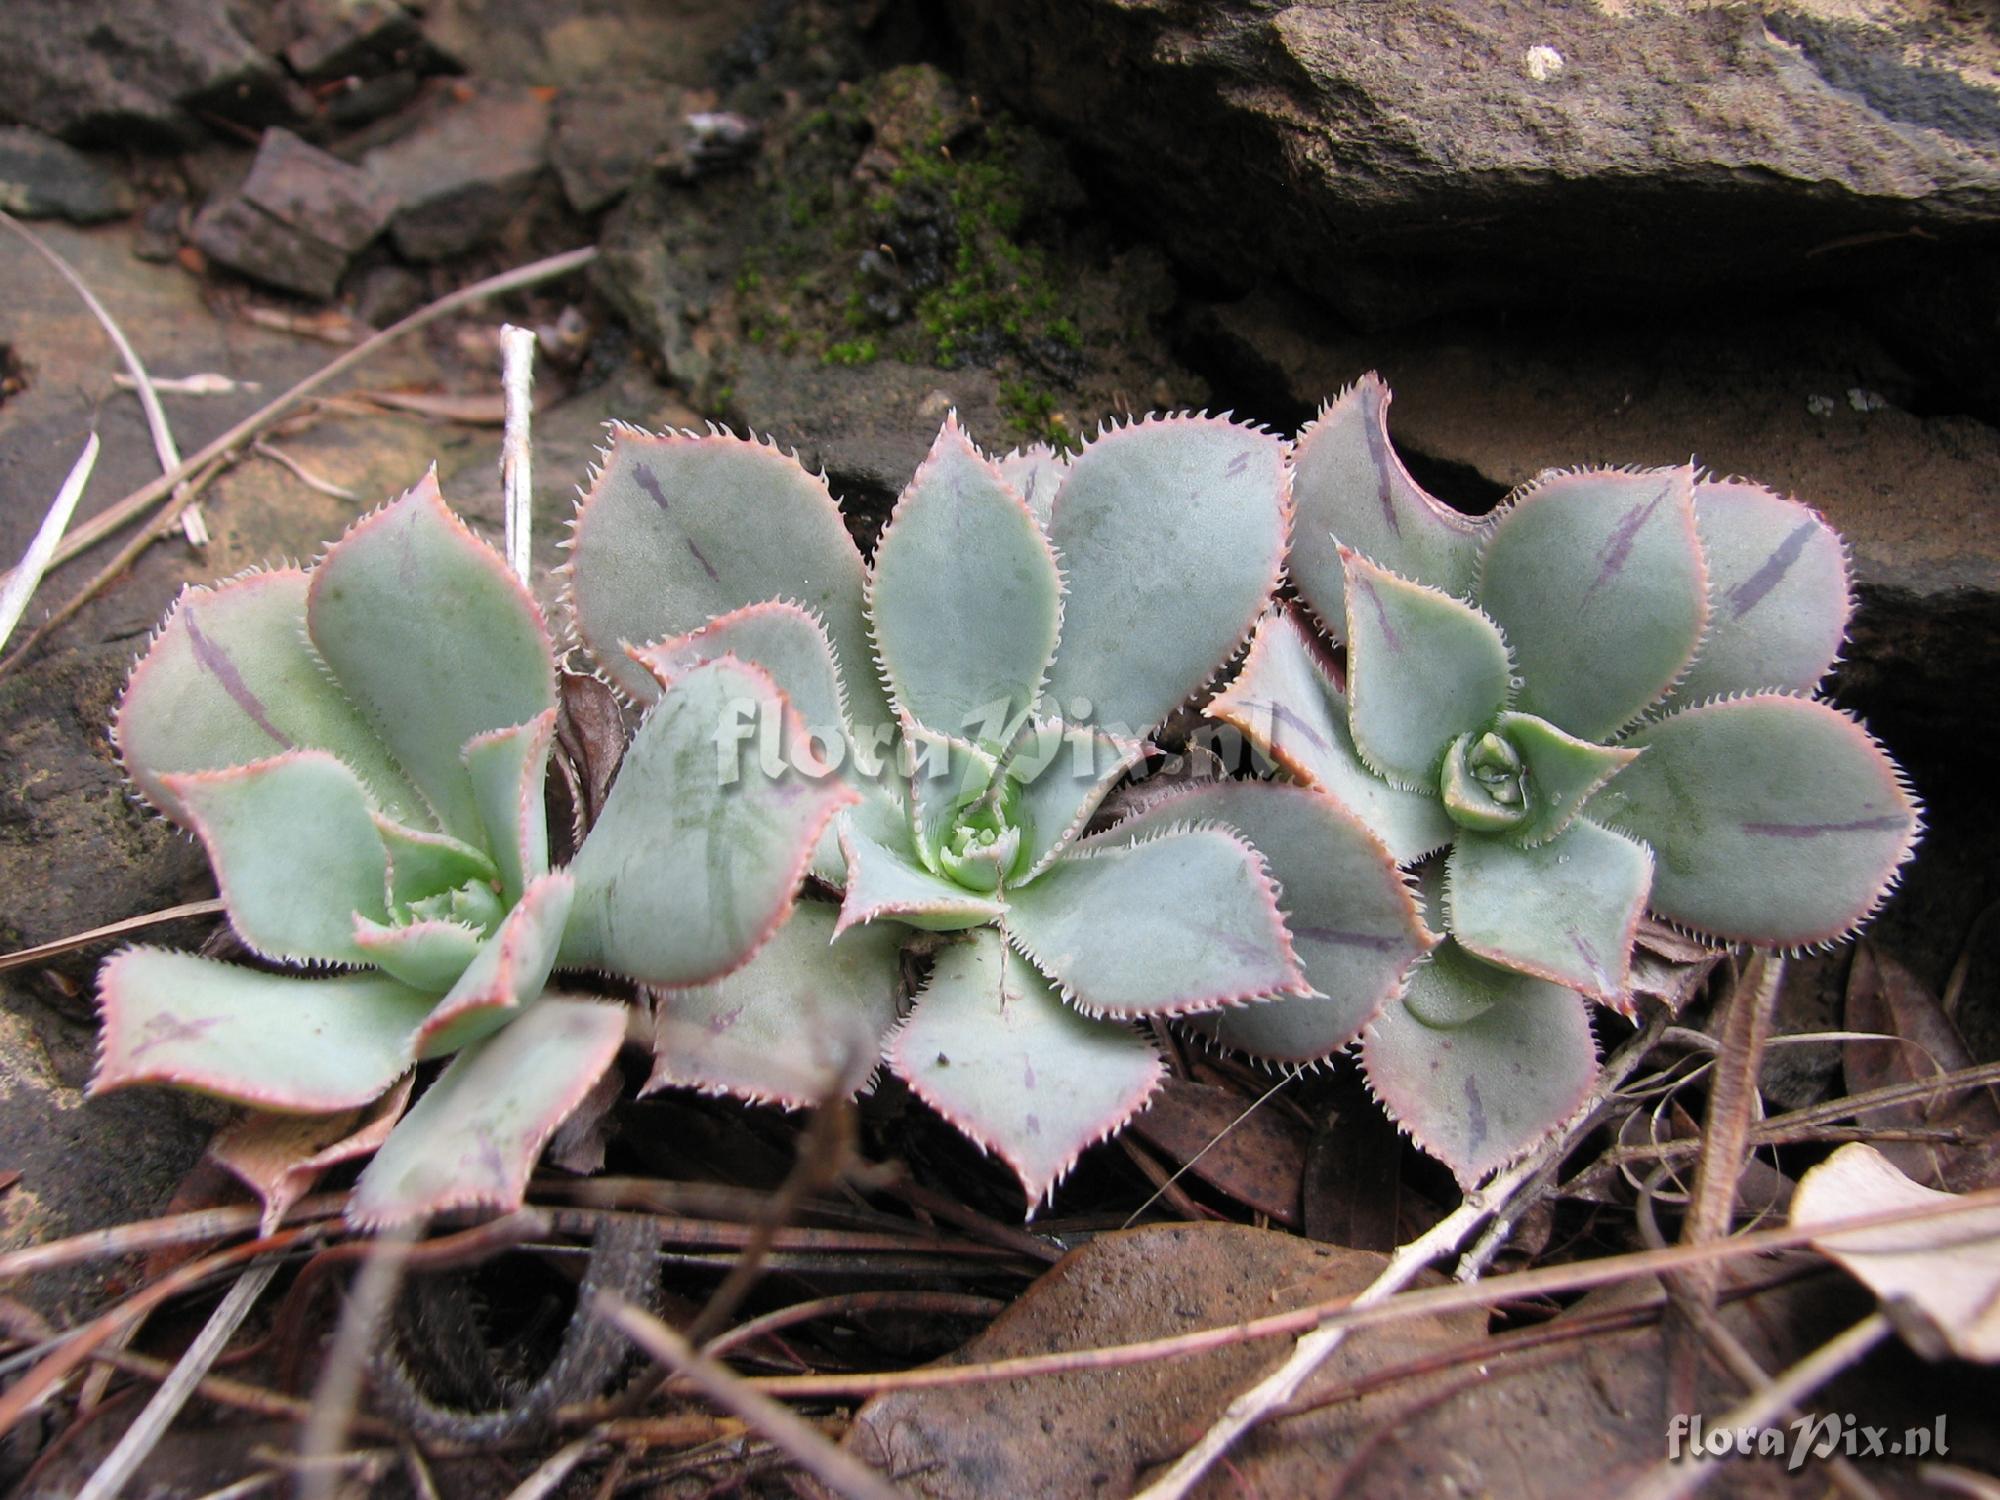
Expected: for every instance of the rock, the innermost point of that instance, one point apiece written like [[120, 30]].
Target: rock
[[1403, 159], [574, 44], [299, 219], [360, 39], [605, 138], [460, 175], [99, 70], [85, 1163], [868, 428], [42, 178]]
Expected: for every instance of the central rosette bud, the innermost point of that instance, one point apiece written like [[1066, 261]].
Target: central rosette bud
[[1485, 783], [983, 844], [475, 903]]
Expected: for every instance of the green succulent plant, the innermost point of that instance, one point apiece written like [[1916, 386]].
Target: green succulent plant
[[361, 748], [1023, 627], [1595, 703]]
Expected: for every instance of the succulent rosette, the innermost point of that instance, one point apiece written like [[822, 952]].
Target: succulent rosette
[[1595, 703], [1025, 624], [361, 749]]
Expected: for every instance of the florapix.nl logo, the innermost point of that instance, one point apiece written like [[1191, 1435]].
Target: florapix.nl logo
[[1794, 1443]]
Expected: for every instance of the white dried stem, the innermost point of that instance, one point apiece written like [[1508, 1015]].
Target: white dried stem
[[517, 355], [27, 575]]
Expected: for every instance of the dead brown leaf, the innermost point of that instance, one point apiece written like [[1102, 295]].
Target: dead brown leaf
[[1259, 1163], [1885, 997], [1939, 1281], [1097, 1433]]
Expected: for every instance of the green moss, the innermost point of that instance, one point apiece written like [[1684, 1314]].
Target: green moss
[[851, 352], [1032, 411], [955, 206]]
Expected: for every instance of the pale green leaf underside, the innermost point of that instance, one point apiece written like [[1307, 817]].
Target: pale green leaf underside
[[433, 640], [1479, 1094], [993, 1049], [507, 972], [1035, 473], [679, 529], [1562, 772], [801, 1022], [1422, 669], [965, 597], [422, 863], [1185, 920], [1352, 490], [1779, 592], [1774, 820], [885, 881], [231, 679], [1352, 920], [1284, 703], [1564, 910], [295, 852], [428, 956], [1171, 533], [472, 1139], [508, 767], [1064, 771], [306, 1046], [1597, 580], [697, 853]]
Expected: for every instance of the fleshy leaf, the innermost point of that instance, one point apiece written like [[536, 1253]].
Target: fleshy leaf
[[1775, 820], [883, 882], [280, 1157], [472, 1139], [1035, 473], [787, 641], [996, 1052], [1422, 669], [801, 1021], [428, 956], [1779, 591], [1478, 1094], [1353, 921], [433, 639], [270, 1040], [507, 973], [1562, 773], [508, 767], [1564, 911], [296, 855], [699, 852], [229, 679], [1183, 920], [1171, 533], [1352, 490], [679, 528], [965, 597], [1597, 579], [423, 864], [1064, 771], [1285, 703]]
